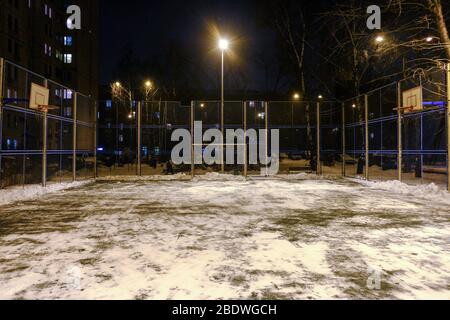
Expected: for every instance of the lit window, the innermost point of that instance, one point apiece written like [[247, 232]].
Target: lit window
[[68, 112], [59, 55], [45, 9], [68, 58], [68, 94], [45, 49], [50, 13], [68, 41], [108, 104]]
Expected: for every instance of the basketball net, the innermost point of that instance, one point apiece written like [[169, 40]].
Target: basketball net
[[45, 108]]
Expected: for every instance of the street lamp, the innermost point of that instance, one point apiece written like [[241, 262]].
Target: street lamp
[[223, 46], [296, 96], [320, 97], [379, 39], [148, 89]]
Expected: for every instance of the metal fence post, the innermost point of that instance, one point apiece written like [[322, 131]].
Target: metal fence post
[[139, 138], [319, 161], [343, 142], [399, 132], [366, 120], [192, 142], [245, 142], [266, 117], [2, 64], [448, 126], [74, 137], [95, 138], [222, 125], [44, 144]]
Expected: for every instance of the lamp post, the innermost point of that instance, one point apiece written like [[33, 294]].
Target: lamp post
[[223, 46], [295, 98]]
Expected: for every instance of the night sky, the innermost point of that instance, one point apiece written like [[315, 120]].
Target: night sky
[[146, 26]]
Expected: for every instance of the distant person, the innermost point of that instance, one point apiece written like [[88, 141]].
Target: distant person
[[360, 167], [168, 170], [418, 169], [313, 163], [153, 162]]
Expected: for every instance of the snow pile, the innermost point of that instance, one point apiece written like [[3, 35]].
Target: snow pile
[[428, 191], [176, 177], [30, 192], [215, 176]]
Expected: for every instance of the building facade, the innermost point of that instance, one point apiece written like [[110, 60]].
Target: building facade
[[34, 35], [38, 47]]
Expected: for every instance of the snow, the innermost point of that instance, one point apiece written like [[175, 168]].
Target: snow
[[29, 192], [426, 191], [224, 237]]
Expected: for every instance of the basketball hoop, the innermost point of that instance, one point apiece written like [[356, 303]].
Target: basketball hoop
[[409, 109], [39, 98], [46, 108]]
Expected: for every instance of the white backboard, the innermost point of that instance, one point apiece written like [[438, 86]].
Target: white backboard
[[413, 100], [39, 96]]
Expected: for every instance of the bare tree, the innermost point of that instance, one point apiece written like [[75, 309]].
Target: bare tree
[[291, 24]]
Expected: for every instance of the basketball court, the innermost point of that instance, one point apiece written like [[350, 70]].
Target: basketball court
[[224, 237], [120, 230]]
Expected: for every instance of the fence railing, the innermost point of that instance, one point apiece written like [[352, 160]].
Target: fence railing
[[43, 147]]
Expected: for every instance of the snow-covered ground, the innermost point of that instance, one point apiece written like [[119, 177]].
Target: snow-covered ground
[[227, 238], [29, 192]]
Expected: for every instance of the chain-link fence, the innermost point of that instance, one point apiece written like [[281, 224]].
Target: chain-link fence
[[373, 136], [41, 147], [124, 124], [400, 131], [356, 138]]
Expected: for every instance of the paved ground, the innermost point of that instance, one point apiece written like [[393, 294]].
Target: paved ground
[[290, 238]]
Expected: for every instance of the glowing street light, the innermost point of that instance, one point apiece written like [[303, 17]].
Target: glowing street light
[[296, 96], [148, 84], [320, 97], [223, 44], [379, 39], [117, 84], [429, 39]]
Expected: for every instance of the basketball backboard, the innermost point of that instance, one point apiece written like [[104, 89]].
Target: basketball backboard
[[413, 100], [39, 96]]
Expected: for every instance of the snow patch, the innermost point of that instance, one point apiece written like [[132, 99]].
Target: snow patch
[[31, 192], [428, 191]]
